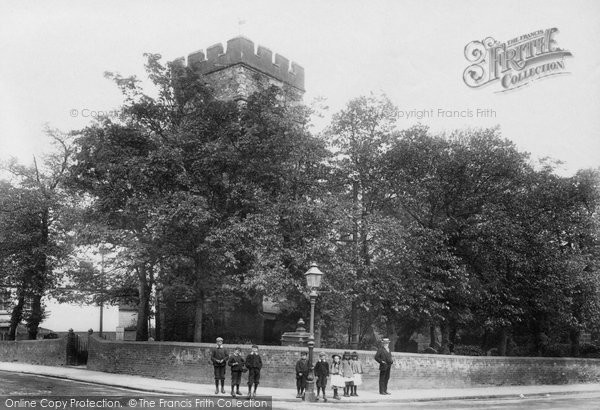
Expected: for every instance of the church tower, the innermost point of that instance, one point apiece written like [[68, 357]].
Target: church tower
[[239, 69], [234, 72]]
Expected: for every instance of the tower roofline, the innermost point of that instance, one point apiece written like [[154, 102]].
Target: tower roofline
[[241, 50]]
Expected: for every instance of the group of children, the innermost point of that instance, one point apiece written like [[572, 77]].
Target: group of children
[[251, 364], [345, 371]]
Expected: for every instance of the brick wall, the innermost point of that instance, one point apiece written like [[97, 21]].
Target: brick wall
[[190, 362], [50, 352]]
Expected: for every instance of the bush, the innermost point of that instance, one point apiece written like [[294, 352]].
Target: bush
[[523, 351], [557, 350], [468, 350], [589, 351]]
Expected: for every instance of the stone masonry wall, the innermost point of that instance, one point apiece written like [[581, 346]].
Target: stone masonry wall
[[190, 362], [241, 50], [50, 352]]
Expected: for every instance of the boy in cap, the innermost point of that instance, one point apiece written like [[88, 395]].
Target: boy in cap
[[253, 364], [218, 357], [384, 358], [321, 373], [236, 362], [301, 375]]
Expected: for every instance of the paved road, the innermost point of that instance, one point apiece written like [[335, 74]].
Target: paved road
[[30, 384], [19, 384], [582, 401]]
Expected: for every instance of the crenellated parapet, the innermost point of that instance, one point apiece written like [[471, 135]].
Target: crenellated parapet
[[241, 50]]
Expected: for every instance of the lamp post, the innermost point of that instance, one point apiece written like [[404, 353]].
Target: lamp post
[[103, 251], [313, 280]]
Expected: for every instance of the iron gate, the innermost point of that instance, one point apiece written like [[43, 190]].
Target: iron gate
[[77, 349]]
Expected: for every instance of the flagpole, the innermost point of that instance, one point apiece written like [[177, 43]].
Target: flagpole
[[240, 22]]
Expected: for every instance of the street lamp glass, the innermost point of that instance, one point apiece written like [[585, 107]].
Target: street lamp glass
[[313, 276]]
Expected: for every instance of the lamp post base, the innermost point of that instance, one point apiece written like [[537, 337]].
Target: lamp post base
[[310, 391]]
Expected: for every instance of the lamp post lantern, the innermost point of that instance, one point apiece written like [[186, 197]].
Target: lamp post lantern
[[313, 280]]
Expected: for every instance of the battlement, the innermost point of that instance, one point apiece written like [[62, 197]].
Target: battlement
[[240, 50]]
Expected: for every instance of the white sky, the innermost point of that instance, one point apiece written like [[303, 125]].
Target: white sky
[[54, 54]]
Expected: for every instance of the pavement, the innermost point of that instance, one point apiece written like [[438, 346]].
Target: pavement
[[151, 385]]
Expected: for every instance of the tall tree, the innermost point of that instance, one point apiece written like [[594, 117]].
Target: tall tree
[[360, 135], [456, 186], [34, 240], [195, 185]]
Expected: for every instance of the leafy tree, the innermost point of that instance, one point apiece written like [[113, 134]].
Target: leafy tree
[[454, 188], [360, 135], [34, 222], [194, 185]]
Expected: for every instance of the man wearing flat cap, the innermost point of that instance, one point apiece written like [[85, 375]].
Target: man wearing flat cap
[[384, 358], [219, 357]]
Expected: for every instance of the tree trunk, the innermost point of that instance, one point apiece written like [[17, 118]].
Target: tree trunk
[[445, 331], [452, 334], [574, 338], [359, 272], [392, 335], [15, 317], [432, 338], [404, 339], [354, 326], [318, 330], [198, 317], [539, 335], [158, 318], [34, 319], [39, 280], [502, 342], [141, 331]]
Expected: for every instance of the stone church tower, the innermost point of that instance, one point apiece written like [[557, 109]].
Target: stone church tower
[[240, 69], [234, 72]]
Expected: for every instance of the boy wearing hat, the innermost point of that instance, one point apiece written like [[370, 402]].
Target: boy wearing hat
[[236, 362], [218, 357], [253, 364], [384, 358], [321, 373], [301, 374]]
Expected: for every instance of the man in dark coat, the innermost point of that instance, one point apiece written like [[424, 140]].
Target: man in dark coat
[[385, 360], [219, 357]]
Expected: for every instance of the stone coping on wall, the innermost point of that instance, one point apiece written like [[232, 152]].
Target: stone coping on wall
[[331, 351]]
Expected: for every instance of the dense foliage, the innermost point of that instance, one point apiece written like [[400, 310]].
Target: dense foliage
[[462, 233]]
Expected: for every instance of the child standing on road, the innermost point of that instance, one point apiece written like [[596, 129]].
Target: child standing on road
[[218, 357], [357, 369], [336, 375], [347, 374], [236, 362], [301, 375], [321, 373], [253, 364]]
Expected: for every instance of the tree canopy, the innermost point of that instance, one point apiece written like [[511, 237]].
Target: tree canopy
[[201, 198]]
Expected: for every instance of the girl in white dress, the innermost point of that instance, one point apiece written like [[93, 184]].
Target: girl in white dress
[[357, 369], [337, 380]]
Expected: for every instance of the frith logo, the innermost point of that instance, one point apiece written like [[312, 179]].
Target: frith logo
[[516, 62]]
